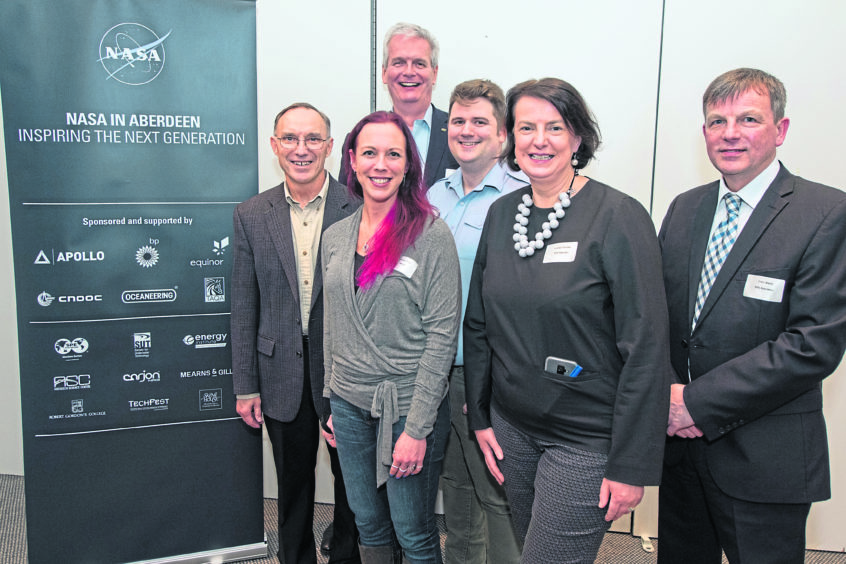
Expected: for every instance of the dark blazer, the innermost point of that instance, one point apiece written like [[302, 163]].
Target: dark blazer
[[757, 366], [267, 341], [438, 159]]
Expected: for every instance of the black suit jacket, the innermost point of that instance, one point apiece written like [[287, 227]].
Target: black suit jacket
[[756, 366], [438, 158], [267, 349]]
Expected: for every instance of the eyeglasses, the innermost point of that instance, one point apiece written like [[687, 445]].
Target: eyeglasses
[[292, 141]]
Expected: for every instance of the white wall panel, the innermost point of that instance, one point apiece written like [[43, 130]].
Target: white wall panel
[[607, 49]]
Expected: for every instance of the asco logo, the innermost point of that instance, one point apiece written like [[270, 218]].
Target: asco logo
[[132, 53]]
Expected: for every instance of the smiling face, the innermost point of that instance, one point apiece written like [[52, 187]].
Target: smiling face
[[409, 74], [475, 139], [543, 144], [741, 136], [379, 162], [303, 166]]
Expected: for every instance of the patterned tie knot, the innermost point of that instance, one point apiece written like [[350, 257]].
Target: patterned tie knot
[[732, 205]]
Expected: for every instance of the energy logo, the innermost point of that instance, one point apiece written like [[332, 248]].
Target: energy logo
[[132, 53]]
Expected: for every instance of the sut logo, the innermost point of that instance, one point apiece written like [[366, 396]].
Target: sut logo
[[132, 53]]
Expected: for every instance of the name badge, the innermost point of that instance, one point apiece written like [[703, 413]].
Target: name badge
[[406, 266], [561, 252], [763, 288]]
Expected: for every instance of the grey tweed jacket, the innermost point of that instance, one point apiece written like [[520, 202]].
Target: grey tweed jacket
[[267, 346]]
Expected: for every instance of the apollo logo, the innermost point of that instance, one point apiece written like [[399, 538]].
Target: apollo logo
[[132, 53]]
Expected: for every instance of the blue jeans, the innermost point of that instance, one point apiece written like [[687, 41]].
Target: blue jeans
[[406, 506]]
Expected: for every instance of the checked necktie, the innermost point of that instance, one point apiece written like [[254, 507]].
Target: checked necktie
[[718, 249]]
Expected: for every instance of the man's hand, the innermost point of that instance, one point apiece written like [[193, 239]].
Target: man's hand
[[250, 411], [680, 422], [620, 498], [490, 448], [330, 437]]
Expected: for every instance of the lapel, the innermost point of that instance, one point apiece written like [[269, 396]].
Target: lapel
[[278, 219], [336, 207], [772, 203], [437, 146]]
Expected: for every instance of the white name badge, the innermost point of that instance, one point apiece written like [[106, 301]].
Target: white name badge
[[406, 266], [561, 252], [763, 288]]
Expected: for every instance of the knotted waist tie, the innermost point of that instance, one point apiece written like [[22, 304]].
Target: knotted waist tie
[[385, 408]]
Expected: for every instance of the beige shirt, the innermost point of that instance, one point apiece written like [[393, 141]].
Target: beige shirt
[[306, 225]]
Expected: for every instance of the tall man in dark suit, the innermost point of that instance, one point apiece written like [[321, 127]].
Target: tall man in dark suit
[[409, 70], [277, 325], [755, 271]]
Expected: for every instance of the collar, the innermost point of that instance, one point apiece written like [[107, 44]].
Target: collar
[[427, 117], [752, 193], [495, 178], [318, 198]]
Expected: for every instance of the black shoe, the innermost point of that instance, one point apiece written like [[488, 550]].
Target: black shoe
[[328, 541]]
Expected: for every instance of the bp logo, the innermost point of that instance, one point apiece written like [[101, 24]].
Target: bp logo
[[132, 53]]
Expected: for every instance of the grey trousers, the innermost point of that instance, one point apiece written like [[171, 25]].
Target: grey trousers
[[554, 494]]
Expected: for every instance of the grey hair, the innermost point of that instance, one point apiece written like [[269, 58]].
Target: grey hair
[[411, 30]]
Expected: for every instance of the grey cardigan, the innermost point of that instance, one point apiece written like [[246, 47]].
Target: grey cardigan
[[390, 348]]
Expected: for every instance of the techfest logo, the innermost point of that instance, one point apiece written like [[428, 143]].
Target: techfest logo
[[132, 53]]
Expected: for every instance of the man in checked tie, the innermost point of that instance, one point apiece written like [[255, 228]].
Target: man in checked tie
[[755, 272]]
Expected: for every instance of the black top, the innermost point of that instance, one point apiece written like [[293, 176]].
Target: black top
[[594, 295]]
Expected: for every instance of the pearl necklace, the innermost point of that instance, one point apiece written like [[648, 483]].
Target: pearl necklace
[[522, 245]]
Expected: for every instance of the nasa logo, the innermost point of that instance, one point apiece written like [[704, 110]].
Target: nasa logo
[[132, 53]]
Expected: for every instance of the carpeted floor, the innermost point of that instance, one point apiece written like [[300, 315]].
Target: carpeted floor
[[617, 548]]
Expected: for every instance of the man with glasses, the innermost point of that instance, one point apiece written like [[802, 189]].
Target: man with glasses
[[277, 325]]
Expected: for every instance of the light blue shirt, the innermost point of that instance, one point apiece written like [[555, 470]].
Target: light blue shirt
[[421, 131], [465, 216]]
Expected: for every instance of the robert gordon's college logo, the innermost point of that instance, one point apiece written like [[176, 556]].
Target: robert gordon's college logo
[[132, 53]]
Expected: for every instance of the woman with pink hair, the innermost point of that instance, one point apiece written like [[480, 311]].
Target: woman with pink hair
[[392, 303]]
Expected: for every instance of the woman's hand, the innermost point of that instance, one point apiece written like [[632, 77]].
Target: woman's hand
[[408, 456], [620, 498], [490, 448]]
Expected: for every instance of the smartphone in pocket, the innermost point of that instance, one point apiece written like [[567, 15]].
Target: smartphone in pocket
[[562, 367]]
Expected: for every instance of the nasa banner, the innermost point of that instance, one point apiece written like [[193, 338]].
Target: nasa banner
[[130, 131]]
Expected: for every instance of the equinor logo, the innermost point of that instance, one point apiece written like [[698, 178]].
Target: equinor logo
[[132, 53]]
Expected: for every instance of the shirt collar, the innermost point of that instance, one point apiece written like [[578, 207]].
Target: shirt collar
[[318, 198], [427, 117], [495, 178], [752, 193]]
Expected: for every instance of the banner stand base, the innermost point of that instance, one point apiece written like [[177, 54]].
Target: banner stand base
[[218, 556]]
